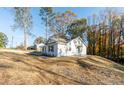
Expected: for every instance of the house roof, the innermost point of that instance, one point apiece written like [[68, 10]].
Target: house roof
[[80, 39], [41, 44], [56, 38], [60, 39]]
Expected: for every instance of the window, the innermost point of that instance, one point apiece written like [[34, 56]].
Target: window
[[79, 49], [44, 49], [75, 41], [69, 48], [51, 48]]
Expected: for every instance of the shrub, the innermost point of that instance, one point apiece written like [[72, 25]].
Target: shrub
[[3, 40]]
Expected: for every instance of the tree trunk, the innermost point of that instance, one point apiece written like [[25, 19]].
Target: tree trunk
[[110, 43], [99, 42], [105, 45], [118, 49], [46, 26], [25, 40], [113, 52], [94, 42]]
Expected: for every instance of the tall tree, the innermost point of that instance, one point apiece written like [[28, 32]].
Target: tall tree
[[46, 14], [94, 32], [62, 21], [23, 20], [120, 37], [111, 13], [77, 28]]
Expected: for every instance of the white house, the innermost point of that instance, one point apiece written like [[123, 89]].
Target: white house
[[61, 47], [39, 47]]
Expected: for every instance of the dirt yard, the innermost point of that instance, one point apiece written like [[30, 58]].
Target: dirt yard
[[22, 68]]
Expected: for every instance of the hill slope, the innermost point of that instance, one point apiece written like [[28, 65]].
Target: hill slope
[[18, 67]]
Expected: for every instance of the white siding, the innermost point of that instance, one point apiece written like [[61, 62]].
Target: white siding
[[61, 50], [39, 46], [69, 49], [74, 49], [84, 52], [51, 53]]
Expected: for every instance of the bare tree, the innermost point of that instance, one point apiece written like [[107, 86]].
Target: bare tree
[[23, 20], [46, 14]]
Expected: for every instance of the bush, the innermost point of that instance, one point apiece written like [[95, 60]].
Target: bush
[[3, 40]]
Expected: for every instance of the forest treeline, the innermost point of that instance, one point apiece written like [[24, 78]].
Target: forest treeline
[[106, 36]]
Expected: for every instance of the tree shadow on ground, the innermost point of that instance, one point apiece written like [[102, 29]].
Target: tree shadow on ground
[[97, 61], [38, 54], [56, 74], [21, 58], [5, 66], [84, 64], [35, 53]]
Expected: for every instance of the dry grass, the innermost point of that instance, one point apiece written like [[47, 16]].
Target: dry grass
[[19, 67]]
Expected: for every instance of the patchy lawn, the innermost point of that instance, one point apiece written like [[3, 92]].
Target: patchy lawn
[[20, 67]]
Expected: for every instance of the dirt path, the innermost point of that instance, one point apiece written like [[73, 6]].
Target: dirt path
[[20, 67]]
